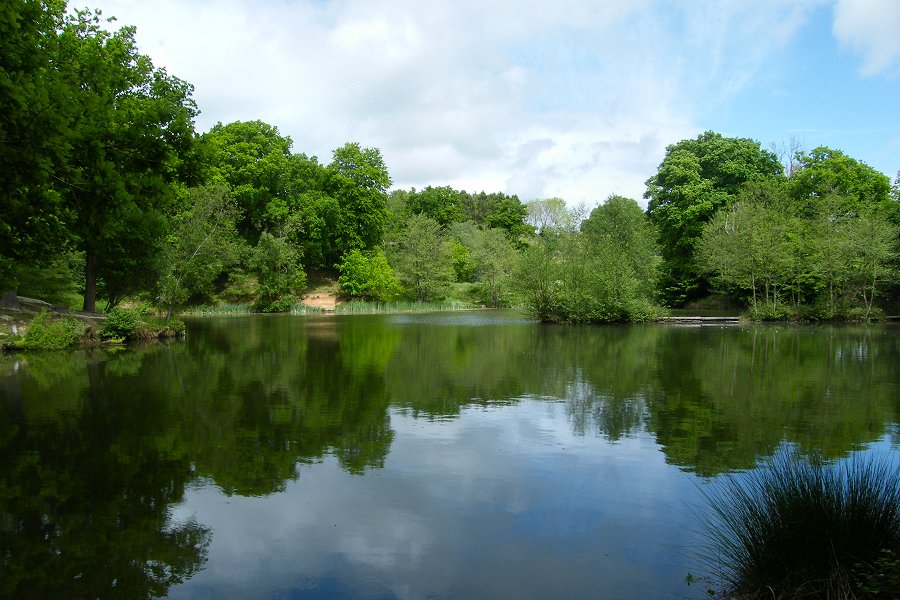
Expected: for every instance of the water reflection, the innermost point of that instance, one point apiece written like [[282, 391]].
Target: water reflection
[[468, 427]]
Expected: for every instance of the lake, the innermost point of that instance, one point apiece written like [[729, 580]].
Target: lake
[[444, 455]]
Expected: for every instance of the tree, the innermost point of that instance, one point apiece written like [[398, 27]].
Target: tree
[[34, 118], [131, 126], [550, 215], [421, 258], [695, 179], [602, 274], [277, 264], [201, 245], [746, 247], [874, 254], [826, 172], [254, 160], [358, 180], [443, 204], [620, 222], [497, 210], [490, 255], [368, 275]]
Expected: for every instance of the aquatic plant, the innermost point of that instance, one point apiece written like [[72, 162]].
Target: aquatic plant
[[799, 528]]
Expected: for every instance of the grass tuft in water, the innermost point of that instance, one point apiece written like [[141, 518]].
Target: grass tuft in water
[[797, 528]]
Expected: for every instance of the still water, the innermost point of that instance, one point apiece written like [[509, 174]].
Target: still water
[[466, 455]]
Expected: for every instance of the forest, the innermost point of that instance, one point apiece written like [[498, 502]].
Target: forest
[[110, 196]]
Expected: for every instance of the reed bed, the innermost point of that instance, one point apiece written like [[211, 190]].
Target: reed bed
[[214, 310], [369, 308], [800, 528]]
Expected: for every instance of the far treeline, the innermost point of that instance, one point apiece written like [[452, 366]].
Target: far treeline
[[108, 194]]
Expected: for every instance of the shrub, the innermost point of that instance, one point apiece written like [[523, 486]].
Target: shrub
[[798, 528], [46, 333], [121, 323], [766, 311]]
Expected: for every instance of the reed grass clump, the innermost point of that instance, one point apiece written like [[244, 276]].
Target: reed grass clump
[[357, 307], [218, 310], [798, 528]]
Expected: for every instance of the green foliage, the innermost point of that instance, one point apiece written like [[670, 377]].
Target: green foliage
[[421, 258], [443, 204], [34, 129], [202, 244], [252, 158], [57, 281], [695, 179], [121, 323], [492, 257], [136, 323], [800, 528], [358, 180], [48, 333], [821, 262], [131, 127], [368, 275], [603, 274], [277, 265], [826, 172]]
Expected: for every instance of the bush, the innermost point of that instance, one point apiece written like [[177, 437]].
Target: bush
[[135, 324], [798, 528], [766, 311], [46, 333], [121, 323]]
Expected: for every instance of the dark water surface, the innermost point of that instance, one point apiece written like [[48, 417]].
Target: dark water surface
[[467, 455]]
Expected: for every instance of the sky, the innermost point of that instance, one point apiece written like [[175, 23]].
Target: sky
[[573, 99]]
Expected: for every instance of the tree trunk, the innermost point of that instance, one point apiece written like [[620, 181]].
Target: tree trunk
[[90, 282]]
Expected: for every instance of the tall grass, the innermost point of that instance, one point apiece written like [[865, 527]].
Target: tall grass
[[218, 310], [797, 528], [366, 308]]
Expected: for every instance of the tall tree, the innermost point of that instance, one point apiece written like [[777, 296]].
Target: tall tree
[[827, 172], [34, 117], [695, 179], [254, 160], [358, 180], [132, 125]]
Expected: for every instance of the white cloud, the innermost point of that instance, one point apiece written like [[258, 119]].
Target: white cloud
[[870, 28], [470, 93]]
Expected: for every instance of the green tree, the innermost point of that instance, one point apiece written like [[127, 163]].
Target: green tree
[[826, 172], [443, 204], [253, 159], [132, 125], [746, 246], [202, 244], [34, 121], [538, 278], [492, 257], [497, 210], [368, 275], [277, 264], [620, 222], [695, 179], [421, 257], [358, 180]]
